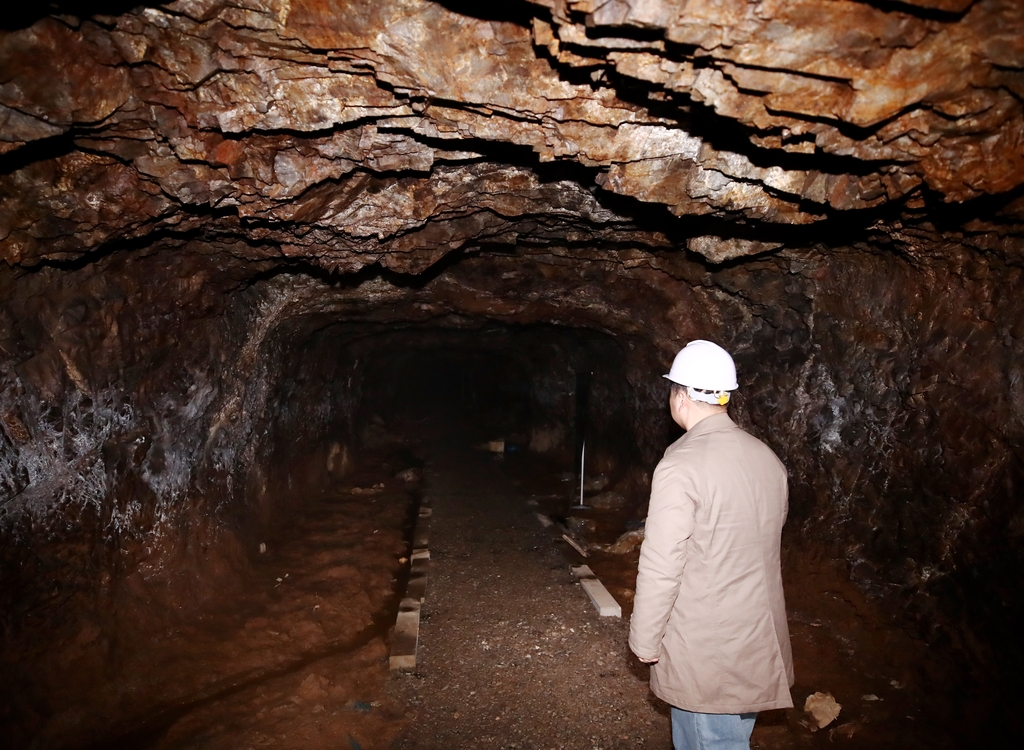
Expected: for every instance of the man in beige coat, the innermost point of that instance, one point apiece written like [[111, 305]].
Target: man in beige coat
[[709, 613]]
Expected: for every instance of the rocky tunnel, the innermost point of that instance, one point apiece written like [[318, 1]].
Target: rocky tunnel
[[245, 243]]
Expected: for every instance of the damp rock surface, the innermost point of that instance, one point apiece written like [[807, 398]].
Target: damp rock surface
[[283, 656]]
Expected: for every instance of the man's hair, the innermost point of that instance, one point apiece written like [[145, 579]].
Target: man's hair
[[676, 389]]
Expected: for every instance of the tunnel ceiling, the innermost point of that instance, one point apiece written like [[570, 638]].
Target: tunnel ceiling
[[397, 131]]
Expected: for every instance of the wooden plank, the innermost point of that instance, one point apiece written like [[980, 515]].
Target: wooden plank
[[405, 639], [406, 636], [575, 545], [603, 601], [421, 536], [417, 586]]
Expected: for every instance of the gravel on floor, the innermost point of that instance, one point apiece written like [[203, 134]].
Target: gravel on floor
[[512, 653]]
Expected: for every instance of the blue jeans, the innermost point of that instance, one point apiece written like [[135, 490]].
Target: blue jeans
[[692, 731]]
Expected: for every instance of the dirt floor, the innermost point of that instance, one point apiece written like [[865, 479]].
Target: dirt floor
[[512, 653]]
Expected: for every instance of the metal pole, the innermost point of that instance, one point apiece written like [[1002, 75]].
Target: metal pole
[[583, 460]]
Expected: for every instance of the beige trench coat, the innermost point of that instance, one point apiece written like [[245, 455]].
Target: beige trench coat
[[709, 603]]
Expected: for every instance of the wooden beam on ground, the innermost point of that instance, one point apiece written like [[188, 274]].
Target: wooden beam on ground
[[421, 534], [406, 636], [605, 602], [417, 587], [576, 546]]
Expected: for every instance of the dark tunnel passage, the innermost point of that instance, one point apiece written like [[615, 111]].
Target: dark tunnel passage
[[528, 386], [455, 383], [270, 268]]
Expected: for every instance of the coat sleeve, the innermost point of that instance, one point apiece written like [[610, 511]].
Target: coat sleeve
[[670, 523]]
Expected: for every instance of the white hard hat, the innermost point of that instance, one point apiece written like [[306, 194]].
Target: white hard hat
[[701, 364]]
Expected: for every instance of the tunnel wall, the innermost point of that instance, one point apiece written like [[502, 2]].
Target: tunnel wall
[[154, 424], [889, 383], [891, 387], [310, 423]]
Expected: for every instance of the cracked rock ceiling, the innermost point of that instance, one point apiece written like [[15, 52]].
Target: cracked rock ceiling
[[396, 131]]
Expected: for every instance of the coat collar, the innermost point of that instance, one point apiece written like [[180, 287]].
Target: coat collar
[[714, 423]]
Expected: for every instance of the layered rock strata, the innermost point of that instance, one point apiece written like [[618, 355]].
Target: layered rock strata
[[288, 122]]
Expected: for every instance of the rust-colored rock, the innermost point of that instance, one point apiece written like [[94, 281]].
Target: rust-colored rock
[[213, 111]]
